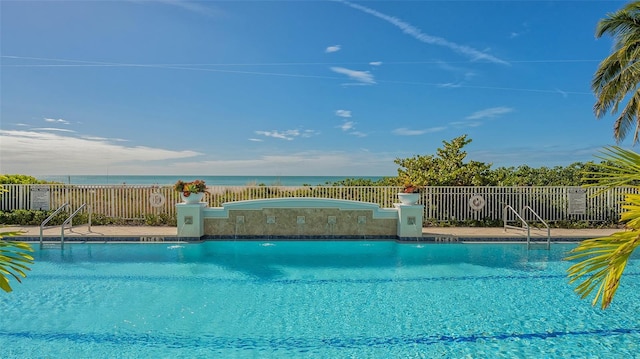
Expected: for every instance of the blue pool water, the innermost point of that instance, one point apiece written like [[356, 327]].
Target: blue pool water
[[311, 300]]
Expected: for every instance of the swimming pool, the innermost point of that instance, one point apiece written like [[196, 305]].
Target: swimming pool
[[353, 299]]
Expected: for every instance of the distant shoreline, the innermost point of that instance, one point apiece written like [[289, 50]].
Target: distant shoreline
[[210, 180]]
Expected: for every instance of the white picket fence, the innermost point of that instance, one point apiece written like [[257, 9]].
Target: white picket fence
[[442, 204]]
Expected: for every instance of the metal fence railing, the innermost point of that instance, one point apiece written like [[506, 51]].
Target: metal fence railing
[[441, 203], [550, 203]]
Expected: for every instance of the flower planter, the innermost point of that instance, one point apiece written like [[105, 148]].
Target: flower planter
[[409, 198], [193, 198]]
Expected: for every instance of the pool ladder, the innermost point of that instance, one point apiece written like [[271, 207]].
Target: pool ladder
[[67, 224], [525, 225]]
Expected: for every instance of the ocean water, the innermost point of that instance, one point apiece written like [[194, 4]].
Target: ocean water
[[340, 299], [210, 180]]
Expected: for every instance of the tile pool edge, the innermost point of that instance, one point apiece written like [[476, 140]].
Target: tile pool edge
[[424, 239]]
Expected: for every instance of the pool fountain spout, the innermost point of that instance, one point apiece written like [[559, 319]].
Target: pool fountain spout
[[409, 221]]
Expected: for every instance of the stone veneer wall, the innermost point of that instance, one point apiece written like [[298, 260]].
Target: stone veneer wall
[[300, 218]]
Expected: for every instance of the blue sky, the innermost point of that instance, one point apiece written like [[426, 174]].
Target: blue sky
[[295, 87]]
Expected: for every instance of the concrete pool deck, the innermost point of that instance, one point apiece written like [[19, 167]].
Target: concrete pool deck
[[150, 233]]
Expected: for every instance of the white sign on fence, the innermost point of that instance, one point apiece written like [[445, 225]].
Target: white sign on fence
[[577, 199], [40, 198], [157, 200]]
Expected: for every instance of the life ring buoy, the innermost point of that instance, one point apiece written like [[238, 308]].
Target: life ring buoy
[[476, 202], [157, 199]]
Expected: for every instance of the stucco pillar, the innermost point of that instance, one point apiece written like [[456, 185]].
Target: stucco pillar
[[409, 220], [191, 220]]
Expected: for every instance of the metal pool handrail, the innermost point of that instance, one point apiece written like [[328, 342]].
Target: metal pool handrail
[[69, 221], [525, 225], [42, 225], [543, 222]]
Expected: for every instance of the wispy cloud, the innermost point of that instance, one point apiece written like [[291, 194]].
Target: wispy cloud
[[475, 119], [288, 135], [334, 48], [375, 63], [489, 113], [284, 135], [461, 73], [60, 121], [563, 93], [410, 132], [343, 113], [256, 139], [52, 129], [96, 138], [358, 134], [525, 29], [309, 133], [450, 85], [347, 125], [425, 38], [50, 153], [362, 77]]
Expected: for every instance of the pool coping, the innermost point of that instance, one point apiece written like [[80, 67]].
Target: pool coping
[[174, 239], [137, 234]]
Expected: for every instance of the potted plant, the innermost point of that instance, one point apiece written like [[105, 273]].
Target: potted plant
[[410, 194], [411, 188], [191, 192]]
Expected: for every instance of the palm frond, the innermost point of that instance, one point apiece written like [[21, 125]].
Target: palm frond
[[618, 75], [618, 23], [628, 117], [631, 214], [14, 261], [603, 261], [620, 167]]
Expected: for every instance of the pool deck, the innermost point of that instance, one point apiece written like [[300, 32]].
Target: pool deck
[[144, 233]]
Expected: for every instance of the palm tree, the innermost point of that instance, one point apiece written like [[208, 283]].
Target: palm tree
[[618, 75], [603, 260]]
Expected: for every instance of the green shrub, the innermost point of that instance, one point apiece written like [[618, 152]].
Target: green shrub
[[20, 179], [23, 217], [161, 219]]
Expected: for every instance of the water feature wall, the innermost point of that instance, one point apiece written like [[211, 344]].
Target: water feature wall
[[302, 218]]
